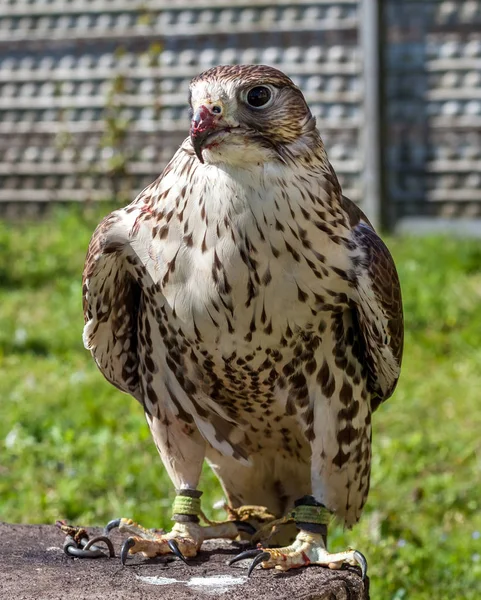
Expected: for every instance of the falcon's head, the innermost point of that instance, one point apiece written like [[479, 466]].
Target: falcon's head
[[249, 113]]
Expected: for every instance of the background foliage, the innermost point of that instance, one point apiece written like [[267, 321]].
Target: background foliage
[[74, 447]]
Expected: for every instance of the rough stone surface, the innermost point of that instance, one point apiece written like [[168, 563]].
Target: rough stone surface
[[33, 566]]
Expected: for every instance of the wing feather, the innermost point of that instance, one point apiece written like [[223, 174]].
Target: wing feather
[[378, 311], [111, 296]]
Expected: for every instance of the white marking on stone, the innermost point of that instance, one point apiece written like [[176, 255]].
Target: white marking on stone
[[208, 585], [215, 585], [159, 580], [54, 549]]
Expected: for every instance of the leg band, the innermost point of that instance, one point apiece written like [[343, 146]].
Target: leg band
[[311, 515], [186, 507]]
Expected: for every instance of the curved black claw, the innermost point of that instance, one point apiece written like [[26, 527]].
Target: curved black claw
[[126, 546], [176, 550], [105, 540], [111, 525], [245, 554], [245, 527], [362, 562], [71, 549], [263, 556]]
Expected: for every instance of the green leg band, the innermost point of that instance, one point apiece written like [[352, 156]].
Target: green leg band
[[186, 507], [311, 516]]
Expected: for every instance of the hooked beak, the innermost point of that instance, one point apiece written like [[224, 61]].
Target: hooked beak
[[203, 125]]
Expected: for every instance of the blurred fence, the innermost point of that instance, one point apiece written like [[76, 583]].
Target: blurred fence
[[93, 92], [431, 109]]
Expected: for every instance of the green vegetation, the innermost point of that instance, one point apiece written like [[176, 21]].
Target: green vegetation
[[74, 447]]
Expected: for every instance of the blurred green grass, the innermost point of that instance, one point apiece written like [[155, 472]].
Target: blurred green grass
[[74, 447]]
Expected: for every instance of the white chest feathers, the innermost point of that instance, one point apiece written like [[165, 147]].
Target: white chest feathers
[[239, 250]]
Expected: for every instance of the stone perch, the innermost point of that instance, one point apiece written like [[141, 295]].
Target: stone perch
[[34, 567]]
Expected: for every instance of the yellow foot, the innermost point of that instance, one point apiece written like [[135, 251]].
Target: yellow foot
[[249, 512], [184, 540], [307, 549], [265, 525]]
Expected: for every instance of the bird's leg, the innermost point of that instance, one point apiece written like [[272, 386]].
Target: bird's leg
[[309, 547], [182, 450]]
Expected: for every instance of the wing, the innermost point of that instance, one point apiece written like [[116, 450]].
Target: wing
[[111, 295], [378, 307], [119, 271]]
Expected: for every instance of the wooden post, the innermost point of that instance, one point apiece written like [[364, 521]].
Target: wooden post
[[33, 566]]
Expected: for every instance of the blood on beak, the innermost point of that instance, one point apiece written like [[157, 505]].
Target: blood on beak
[[204, 122]]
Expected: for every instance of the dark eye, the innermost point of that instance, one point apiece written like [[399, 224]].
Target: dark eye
[[258, 96]]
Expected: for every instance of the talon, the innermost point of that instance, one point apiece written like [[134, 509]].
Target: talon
[[243, 555], [245, 527], [72, 550], [126, 546], [111, 525], [68, 545], [100, 538], [176, 550], [362, 562], [262, 557]]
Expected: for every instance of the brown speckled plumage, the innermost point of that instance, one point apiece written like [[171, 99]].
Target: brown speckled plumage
[[250, 307]]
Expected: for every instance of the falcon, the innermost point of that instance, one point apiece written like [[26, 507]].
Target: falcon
[[256, 315]]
